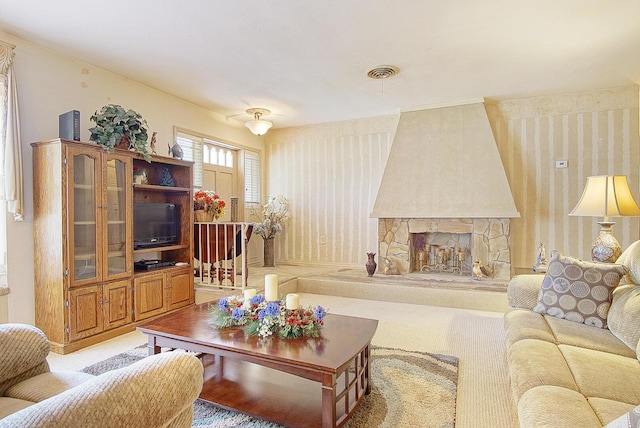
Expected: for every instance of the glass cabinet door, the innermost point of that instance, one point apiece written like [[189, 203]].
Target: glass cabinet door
[[84, 216], [117, 237]]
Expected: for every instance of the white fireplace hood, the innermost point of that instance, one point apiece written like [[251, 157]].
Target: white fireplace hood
[[444, 163]]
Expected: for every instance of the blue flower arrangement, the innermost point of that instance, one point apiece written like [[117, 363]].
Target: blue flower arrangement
[[264, 319]]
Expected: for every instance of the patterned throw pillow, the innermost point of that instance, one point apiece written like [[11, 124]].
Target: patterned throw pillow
[[577, 290]]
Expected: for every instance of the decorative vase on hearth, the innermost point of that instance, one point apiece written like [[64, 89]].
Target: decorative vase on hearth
[[371, 264]]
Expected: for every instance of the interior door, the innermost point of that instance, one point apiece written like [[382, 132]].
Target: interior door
[[223, 180]]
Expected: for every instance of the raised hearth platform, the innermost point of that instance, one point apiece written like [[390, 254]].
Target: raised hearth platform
[[446, 290]]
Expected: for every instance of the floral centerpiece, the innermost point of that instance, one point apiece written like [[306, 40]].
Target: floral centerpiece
[[207, 205], [262, 318]]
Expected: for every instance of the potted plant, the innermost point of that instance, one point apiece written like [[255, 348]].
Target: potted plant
[[115, 126]]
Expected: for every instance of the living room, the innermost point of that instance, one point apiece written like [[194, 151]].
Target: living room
[[331, 169]]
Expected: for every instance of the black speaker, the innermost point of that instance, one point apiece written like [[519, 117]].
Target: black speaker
[[69, 125]]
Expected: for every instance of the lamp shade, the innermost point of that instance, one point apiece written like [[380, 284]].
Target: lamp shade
[[259, 126], [606, 196]]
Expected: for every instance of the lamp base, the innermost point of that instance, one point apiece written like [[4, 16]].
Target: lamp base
[[606, 248]]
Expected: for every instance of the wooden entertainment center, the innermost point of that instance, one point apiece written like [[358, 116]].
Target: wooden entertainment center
[[86, 288]]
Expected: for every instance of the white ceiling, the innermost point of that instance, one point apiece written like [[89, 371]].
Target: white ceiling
[[307, 60]]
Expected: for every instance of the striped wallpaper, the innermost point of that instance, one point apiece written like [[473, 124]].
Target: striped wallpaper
[[331, 173], [597, 133]]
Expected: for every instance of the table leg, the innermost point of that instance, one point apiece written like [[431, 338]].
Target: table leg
[[328, 401], [367, 370], [152, 348], [218, 365]]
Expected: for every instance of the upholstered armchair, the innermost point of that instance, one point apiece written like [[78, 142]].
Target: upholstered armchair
[[156, 391]]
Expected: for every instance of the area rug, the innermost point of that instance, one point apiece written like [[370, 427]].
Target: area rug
[[410, 389]]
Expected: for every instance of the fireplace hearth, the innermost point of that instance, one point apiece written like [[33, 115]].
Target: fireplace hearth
[[446, 246]]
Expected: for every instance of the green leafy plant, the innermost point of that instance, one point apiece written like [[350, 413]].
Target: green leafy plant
[[113, 123]]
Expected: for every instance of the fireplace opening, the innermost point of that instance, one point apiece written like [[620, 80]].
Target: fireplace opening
[[445, 245], [441, 253]]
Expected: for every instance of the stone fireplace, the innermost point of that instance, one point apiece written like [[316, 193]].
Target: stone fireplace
[[444, 200], [445, 245]]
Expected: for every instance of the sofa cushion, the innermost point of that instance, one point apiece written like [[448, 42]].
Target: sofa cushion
[[10, 405], [534, 363], [578, 291], [47, 385], [631, 259], [630, 419], [609, 410], [522, 291], [604, 375], [525, 324], [552, 406], [583, 336], [624, 315]]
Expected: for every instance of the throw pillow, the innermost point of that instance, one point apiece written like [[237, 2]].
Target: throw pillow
[[631, 419], [578, 291]]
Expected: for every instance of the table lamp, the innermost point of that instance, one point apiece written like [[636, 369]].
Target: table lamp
[[606, 196]]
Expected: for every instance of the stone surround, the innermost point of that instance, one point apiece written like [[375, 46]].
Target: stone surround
[[490, 241]]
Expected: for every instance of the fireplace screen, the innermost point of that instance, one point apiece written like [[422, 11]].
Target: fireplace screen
[[441, 253]]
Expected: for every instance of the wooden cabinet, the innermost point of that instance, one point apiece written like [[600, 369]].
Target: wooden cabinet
[[158, 292], [96, 308], [86, 288], [100, 225]]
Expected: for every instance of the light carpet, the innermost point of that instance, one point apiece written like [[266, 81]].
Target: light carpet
[[410, 388]]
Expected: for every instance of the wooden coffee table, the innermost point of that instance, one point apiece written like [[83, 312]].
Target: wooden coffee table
[[304, 382]]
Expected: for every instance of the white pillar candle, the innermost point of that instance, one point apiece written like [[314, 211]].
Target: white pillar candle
[[293, 301], [271, 287], [249, 293]]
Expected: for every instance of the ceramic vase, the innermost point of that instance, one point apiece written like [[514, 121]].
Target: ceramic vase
[[371, 264]]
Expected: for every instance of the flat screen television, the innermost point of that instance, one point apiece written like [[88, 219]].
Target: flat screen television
[[154, 224]]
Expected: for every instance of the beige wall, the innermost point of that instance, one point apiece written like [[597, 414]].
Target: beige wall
[[597, 133], [331, 173], [50, 84]]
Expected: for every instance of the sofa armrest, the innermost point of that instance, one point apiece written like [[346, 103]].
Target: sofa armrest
[[523, 291], [157, 391]]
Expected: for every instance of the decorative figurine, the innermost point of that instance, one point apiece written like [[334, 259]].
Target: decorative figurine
[[166, 179], [390, 268], [140, 176], [480, 271], [176, 151], [153, 142], [541, 261], [371, 264]]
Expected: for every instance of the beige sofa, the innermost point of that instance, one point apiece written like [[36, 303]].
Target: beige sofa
[[157, 391], [567, 374]]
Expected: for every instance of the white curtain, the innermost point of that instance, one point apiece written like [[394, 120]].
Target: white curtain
[[10, 144]]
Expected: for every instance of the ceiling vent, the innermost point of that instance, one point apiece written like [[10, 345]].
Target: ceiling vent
[[383, 72]]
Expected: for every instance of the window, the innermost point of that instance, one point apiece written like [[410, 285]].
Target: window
[[192, 149], [251, 178], [205, 151]]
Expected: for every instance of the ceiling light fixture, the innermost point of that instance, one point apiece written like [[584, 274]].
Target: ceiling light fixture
[[258, 126]]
